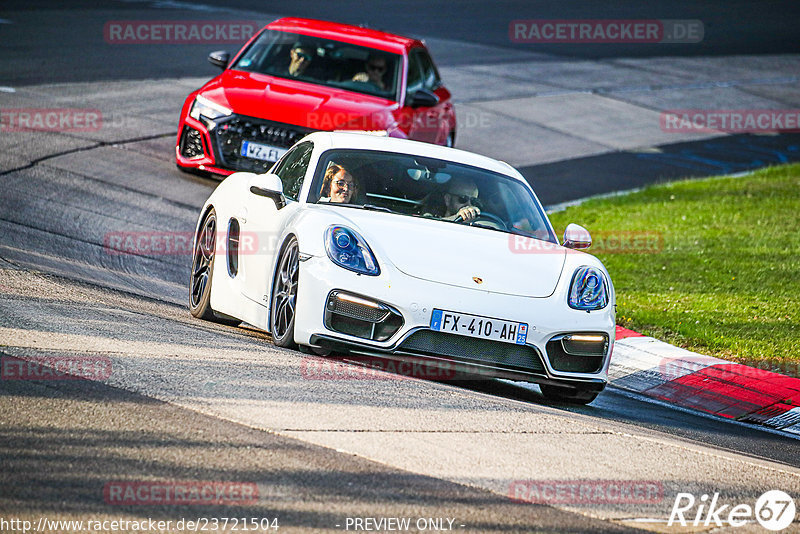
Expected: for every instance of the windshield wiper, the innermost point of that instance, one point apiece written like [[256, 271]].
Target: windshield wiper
[[370, 207], [373, 207]]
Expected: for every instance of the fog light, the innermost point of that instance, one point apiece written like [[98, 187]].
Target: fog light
[[191, 143], [585, 344], [356, 307]]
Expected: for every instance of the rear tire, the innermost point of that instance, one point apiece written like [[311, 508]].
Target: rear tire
[[203, 257], [284, 296], [568, 395]]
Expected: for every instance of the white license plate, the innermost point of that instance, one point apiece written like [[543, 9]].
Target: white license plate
[[479, 326], [262, 152]]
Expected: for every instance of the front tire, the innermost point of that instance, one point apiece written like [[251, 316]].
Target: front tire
[[284, 296], [568, 395]]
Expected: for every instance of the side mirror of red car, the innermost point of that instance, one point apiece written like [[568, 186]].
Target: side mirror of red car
[[220, 59], [423, 99]]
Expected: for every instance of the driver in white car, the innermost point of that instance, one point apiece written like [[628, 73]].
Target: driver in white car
[[461, 200]]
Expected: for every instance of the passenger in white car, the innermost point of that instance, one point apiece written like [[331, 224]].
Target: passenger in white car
[[338, 185]]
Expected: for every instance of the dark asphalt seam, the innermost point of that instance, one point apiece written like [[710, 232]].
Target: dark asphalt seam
[[86, 242], [175, 203], [738, 84], [612, 62], [409, 431], [63, 280], [548, 128], [748, 91], [97, 144], [184, 318], [12, 264], [56, 199]]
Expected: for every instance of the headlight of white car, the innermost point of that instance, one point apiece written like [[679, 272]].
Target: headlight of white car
[[208, 110], [347, 249], [589, 289]]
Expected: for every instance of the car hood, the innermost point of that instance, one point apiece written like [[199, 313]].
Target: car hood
[[300, 103], [459, 255]]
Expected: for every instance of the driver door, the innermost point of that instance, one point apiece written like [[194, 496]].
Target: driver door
[[261, 222]]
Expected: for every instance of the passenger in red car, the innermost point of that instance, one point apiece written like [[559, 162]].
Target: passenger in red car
[[375, 69], [338, 185]]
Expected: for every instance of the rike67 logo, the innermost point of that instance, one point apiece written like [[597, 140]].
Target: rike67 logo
[[774, 510]]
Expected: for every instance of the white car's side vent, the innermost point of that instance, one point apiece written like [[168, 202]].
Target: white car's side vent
[[233, 247]]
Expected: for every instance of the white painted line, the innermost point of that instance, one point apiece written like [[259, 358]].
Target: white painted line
[[7, 89], [577, 202], [794, 429], [555, 208], [786, 419]]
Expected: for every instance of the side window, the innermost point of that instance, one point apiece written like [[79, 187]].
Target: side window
[[430, 76], [414, 74], [292, 169]]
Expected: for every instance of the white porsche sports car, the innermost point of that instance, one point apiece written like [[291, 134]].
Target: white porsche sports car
[[403, 250]]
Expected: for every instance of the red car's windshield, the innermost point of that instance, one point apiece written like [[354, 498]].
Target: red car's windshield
[[323, 61]]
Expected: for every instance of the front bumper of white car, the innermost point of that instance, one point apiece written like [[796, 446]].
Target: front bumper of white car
[[390, 316]]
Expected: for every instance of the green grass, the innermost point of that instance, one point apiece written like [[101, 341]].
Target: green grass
[[721, 273]]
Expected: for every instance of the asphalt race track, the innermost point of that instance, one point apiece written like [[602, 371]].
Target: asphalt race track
[[192, 401]]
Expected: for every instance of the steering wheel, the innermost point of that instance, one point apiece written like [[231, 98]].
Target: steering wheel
[[491, 217]]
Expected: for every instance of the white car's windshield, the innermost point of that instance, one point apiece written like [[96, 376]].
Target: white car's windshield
[[323, 61], [426, 187]]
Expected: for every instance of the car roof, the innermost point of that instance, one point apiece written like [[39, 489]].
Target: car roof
[[365, 141], [357, 35]]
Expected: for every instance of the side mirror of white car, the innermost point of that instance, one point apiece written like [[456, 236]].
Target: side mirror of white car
[[577, 237], [269, 185]]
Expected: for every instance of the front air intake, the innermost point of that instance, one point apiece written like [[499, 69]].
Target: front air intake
[[361, 317]]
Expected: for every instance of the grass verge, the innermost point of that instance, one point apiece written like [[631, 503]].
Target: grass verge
[[711, 265]]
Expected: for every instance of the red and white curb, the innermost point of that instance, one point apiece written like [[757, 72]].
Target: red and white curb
[[680, 377]]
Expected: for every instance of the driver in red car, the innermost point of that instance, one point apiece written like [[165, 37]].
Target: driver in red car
[[300, 57]]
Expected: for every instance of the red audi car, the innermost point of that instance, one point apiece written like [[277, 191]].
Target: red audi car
[[301, 75]]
